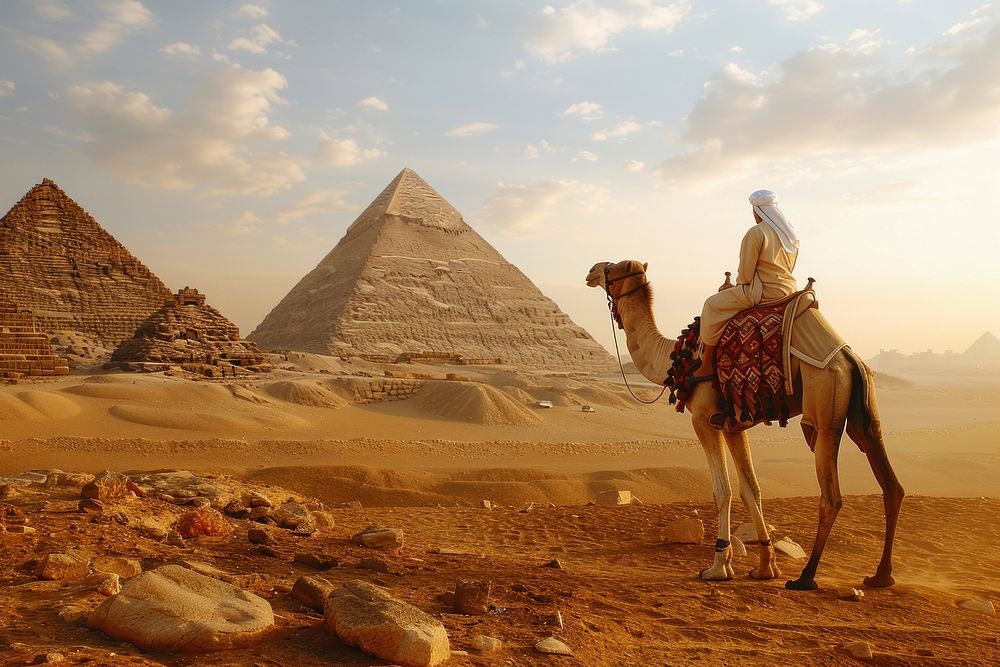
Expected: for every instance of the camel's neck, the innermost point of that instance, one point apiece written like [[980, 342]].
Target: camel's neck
[[649, 349]]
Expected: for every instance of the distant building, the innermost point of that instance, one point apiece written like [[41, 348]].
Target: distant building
[[982, 355]]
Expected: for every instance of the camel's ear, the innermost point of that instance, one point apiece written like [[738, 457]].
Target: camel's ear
[[645, 265]]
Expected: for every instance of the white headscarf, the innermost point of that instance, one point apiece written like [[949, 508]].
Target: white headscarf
[[766, 206]]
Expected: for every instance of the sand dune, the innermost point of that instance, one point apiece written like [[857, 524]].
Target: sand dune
[[473, 403], [305, 392]]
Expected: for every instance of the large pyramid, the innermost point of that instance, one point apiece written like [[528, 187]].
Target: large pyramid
[[984, 352], [58, 262], [411, 280]]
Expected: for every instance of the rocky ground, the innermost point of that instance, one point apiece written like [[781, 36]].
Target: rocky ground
[[601, 579]]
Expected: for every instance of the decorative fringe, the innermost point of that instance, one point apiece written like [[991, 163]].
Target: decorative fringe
[[684, 365]]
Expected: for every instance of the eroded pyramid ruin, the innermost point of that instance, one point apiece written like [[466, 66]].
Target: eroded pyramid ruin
[[186, 330], [58, 262], [24, 351], [410, 280]]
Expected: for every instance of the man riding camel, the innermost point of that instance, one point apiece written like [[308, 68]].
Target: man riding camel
[[767, 257]]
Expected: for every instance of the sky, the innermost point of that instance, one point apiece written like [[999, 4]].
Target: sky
[[229, 145]]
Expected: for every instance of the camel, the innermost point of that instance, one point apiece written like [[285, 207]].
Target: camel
[[828, 399]]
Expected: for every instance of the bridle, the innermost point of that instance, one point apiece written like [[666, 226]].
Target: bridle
[[616, 318]]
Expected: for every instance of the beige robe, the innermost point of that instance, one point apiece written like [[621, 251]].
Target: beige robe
[[765, 275]]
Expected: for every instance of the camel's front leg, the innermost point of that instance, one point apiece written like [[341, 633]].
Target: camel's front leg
[[739, 447], [711, 441]]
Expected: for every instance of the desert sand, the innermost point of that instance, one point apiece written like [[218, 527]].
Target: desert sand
[[433, 442]]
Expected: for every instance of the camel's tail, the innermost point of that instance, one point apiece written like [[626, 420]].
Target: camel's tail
[[863, 412]]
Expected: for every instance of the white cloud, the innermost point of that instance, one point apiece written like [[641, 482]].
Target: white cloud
[[586, 155], [220, 143], [260, 37], [220, 57], [52, 9], [634, 166], [373, 102], [6, 87], [622, 129], [181, 49], [344, 152], [122, 17], [521, 208], [738, 73], [798, 10], [865, 40], [965, 25], [471, 129], [321, 201], [558, 35], [736, 49], [532, 151], [247, 223], [252, 11], [817, 106], [585, 110], [119, 18]]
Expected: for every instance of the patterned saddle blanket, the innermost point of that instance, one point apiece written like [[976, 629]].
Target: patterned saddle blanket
[[753, 358]]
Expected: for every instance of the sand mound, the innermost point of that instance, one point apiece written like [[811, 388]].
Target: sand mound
[[35, 406], [606, 397], [185, 420], [50, 405], [305, 392], [340, 484], [518, 394], [474, 403]]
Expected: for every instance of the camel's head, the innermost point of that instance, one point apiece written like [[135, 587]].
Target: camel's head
[[618, 277]]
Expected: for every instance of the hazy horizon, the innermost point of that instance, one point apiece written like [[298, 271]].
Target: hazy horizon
[[230, 147]]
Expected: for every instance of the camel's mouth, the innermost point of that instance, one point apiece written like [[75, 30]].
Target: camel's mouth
[[596, 277]]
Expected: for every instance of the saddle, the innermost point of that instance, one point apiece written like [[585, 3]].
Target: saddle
[[753, 360], [753, 357]]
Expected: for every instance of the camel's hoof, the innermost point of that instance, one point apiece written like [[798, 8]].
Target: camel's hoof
[[879, 581], [763, 575], [801, 584], [716, 574]]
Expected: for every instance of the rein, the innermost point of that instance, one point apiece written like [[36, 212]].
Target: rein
[[617, 319]]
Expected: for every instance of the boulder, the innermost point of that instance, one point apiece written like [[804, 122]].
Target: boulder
[[123, 567], [859, 650], [982, 606], [202, 521], [107, 484], [172, 608], [322, 520], [368, 617], [472, 596], [259, 536], [315, 560], [685, 530], [376, 537], [110, 585], [63, 567], [789, 548], [486, 644], [553, 646], [312, 591], [614, 498], [291, 515]]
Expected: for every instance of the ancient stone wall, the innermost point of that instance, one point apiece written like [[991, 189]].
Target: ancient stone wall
[[24, 351], [57, 261]]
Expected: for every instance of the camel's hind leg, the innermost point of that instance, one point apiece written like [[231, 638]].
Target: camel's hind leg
[[892, 494], [739, 447], [826, 447]]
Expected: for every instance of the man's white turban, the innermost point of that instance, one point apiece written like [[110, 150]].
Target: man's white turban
[[766, 206]]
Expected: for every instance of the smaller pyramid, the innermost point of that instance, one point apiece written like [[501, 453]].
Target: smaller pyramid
[[984, 352], [58, 262], [187, 330], [24, 351]]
